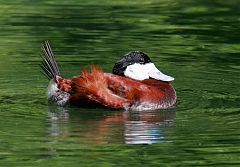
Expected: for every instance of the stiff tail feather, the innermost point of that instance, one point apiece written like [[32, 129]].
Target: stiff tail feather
[[49, 65]]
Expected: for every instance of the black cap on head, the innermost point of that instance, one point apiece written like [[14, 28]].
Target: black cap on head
[[129, 59]]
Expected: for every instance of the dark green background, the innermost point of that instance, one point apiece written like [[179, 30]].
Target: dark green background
[[197, 42]]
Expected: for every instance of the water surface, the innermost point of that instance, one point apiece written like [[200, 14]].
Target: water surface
[[197, 42]]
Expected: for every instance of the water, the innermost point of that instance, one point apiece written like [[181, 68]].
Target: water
[[197, 42]]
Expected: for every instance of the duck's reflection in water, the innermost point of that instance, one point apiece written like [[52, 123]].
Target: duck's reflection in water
[[146, 127], [96, 126]]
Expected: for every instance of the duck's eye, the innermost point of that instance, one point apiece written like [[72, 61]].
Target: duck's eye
[[141, 60]]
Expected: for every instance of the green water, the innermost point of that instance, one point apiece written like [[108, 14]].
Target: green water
[[197, 42]]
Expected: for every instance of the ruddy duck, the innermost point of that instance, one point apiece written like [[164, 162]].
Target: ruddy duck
[[134, 84]]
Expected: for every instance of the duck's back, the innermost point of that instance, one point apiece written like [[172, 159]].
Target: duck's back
[[91, 88]]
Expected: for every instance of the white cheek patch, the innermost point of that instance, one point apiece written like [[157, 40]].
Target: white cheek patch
[[145, 71], [137, 71]]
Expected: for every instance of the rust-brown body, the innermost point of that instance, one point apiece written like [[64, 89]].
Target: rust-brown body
[[114, 91]]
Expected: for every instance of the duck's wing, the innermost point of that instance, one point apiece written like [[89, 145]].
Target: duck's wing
[[150, 90], [125, 87], [93, 87]]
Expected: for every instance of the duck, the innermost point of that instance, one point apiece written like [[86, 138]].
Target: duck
[[135, 83]]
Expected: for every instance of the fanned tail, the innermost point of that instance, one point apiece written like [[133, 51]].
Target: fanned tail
[[49, 65]]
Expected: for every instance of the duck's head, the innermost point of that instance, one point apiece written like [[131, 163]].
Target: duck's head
[[137, 65]]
